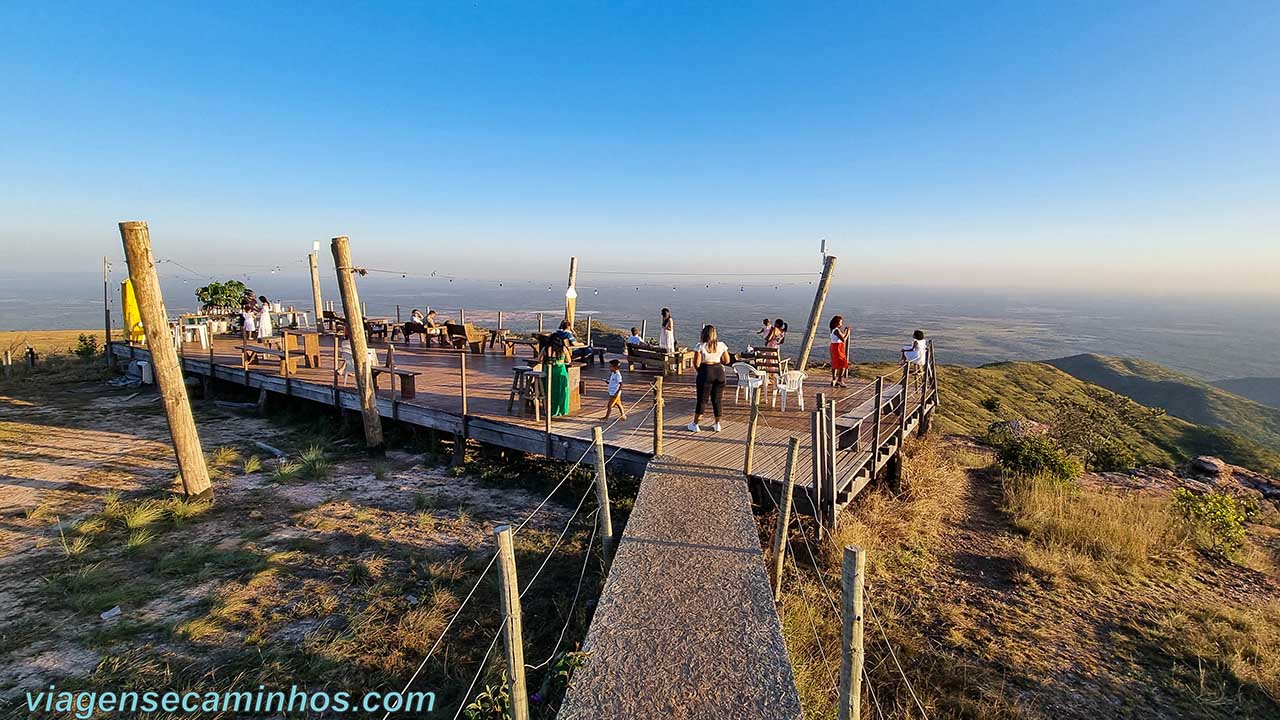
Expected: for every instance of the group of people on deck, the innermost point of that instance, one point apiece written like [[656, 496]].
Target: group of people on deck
[[255, 316]]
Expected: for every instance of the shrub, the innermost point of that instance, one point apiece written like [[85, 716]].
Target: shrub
[[1038, 456], [1112, 455], [991, 403], [86, 346], [1217, 518]]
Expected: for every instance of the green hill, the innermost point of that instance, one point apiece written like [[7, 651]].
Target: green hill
[[973, 398], [1265, 390], [1182, 396]]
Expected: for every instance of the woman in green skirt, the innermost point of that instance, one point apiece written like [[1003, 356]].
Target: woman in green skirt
[[555, 357]]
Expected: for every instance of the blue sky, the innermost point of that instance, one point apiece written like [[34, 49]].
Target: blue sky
[[1078, 145]]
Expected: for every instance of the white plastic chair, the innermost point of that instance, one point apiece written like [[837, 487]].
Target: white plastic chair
[[347, 363], [749, 379], [790, 382]]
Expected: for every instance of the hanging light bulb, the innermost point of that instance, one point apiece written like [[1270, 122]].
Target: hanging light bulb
[[403, 276], [595, 291], [742, 288]]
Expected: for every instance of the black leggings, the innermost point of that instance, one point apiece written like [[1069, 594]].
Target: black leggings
[[710, 382]]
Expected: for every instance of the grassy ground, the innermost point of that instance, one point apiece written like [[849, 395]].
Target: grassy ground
[[1017, 600], [327, 570]]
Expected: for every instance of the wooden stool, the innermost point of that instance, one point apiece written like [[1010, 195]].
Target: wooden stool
[[526, 384]]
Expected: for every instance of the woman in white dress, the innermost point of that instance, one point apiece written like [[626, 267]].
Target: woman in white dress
[[918, 351], [264, 318], [667, 337], [248, 312]]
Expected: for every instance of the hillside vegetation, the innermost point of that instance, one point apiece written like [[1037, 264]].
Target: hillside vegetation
[[974, 398], [1181, 395]]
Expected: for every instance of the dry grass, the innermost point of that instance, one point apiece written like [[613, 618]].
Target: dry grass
[[1123, 531]]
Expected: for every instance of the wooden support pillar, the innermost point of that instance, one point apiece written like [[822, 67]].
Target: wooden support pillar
[[314, 261], [815, 313], [853, 570], [540, 322], [462, 316], [784, 518], [354, 311], [602, 495], [644, 329], [512, 631], [164, 360], [106, 315], [571, 293], [397, 313], [336, 349], [748, 462], [588, 331], [657, 416], [8, 363]]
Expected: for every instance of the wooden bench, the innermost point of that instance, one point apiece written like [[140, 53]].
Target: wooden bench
[[408, 380], [647, 357], [253, 354], [467, 335], [864, 412], [597, 355], [510, 342]]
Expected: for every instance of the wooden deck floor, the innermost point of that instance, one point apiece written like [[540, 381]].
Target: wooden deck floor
[[438, 404]]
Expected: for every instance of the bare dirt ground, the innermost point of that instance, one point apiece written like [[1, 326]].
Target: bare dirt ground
[[338, 571]]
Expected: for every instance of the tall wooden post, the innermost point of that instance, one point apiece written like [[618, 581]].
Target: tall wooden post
[[462, 316], [540, 323], [748, 461], [851, 658], [588, 330], [354, 311], [164, 360], [784, 518], [657, 416], [499, 319], [106, 315], [511, 625], [314, 261], [602, 495], [571, 293], [644, 329], [815, 314]]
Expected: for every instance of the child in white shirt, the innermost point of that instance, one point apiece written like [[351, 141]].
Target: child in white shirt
[[615, 390]]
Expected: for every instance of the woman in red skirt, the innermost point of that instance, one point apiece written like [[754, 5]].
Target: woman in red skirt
[[839, 351]]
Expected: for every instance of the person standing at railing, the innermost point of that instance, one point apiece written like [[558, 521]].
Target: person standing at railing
[[709, 357], [839, 351]]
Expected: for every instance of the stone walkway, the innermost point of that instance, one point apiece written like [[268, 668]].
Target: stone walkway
[[686, 626]]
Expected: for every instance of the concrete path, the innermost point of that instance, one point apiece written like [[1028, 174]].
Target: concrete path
[[686, 626]]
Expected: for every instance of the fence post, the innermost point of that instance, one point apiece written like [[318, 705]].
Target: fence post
[[336, 347], [511, 625], [208, 387], [397, 314], [820, 437], [354, 309], [106, 315], [8, 361], [602, 495], [749, 461], [546, 397], [462, 316], [833, 443], [875, 427], [460, 439], [31, 358], [313, 261], [499, 319], [539, 322], [164, 360], [657, 416], [851, 657], [644, 329], [588, 331], [784, 518], [902, 416]]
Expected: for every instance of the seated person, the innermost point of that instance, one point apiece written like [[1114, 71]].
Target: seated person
[[566, 336], [416, 325], [431, 321], [635, 338], [918, 351]]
